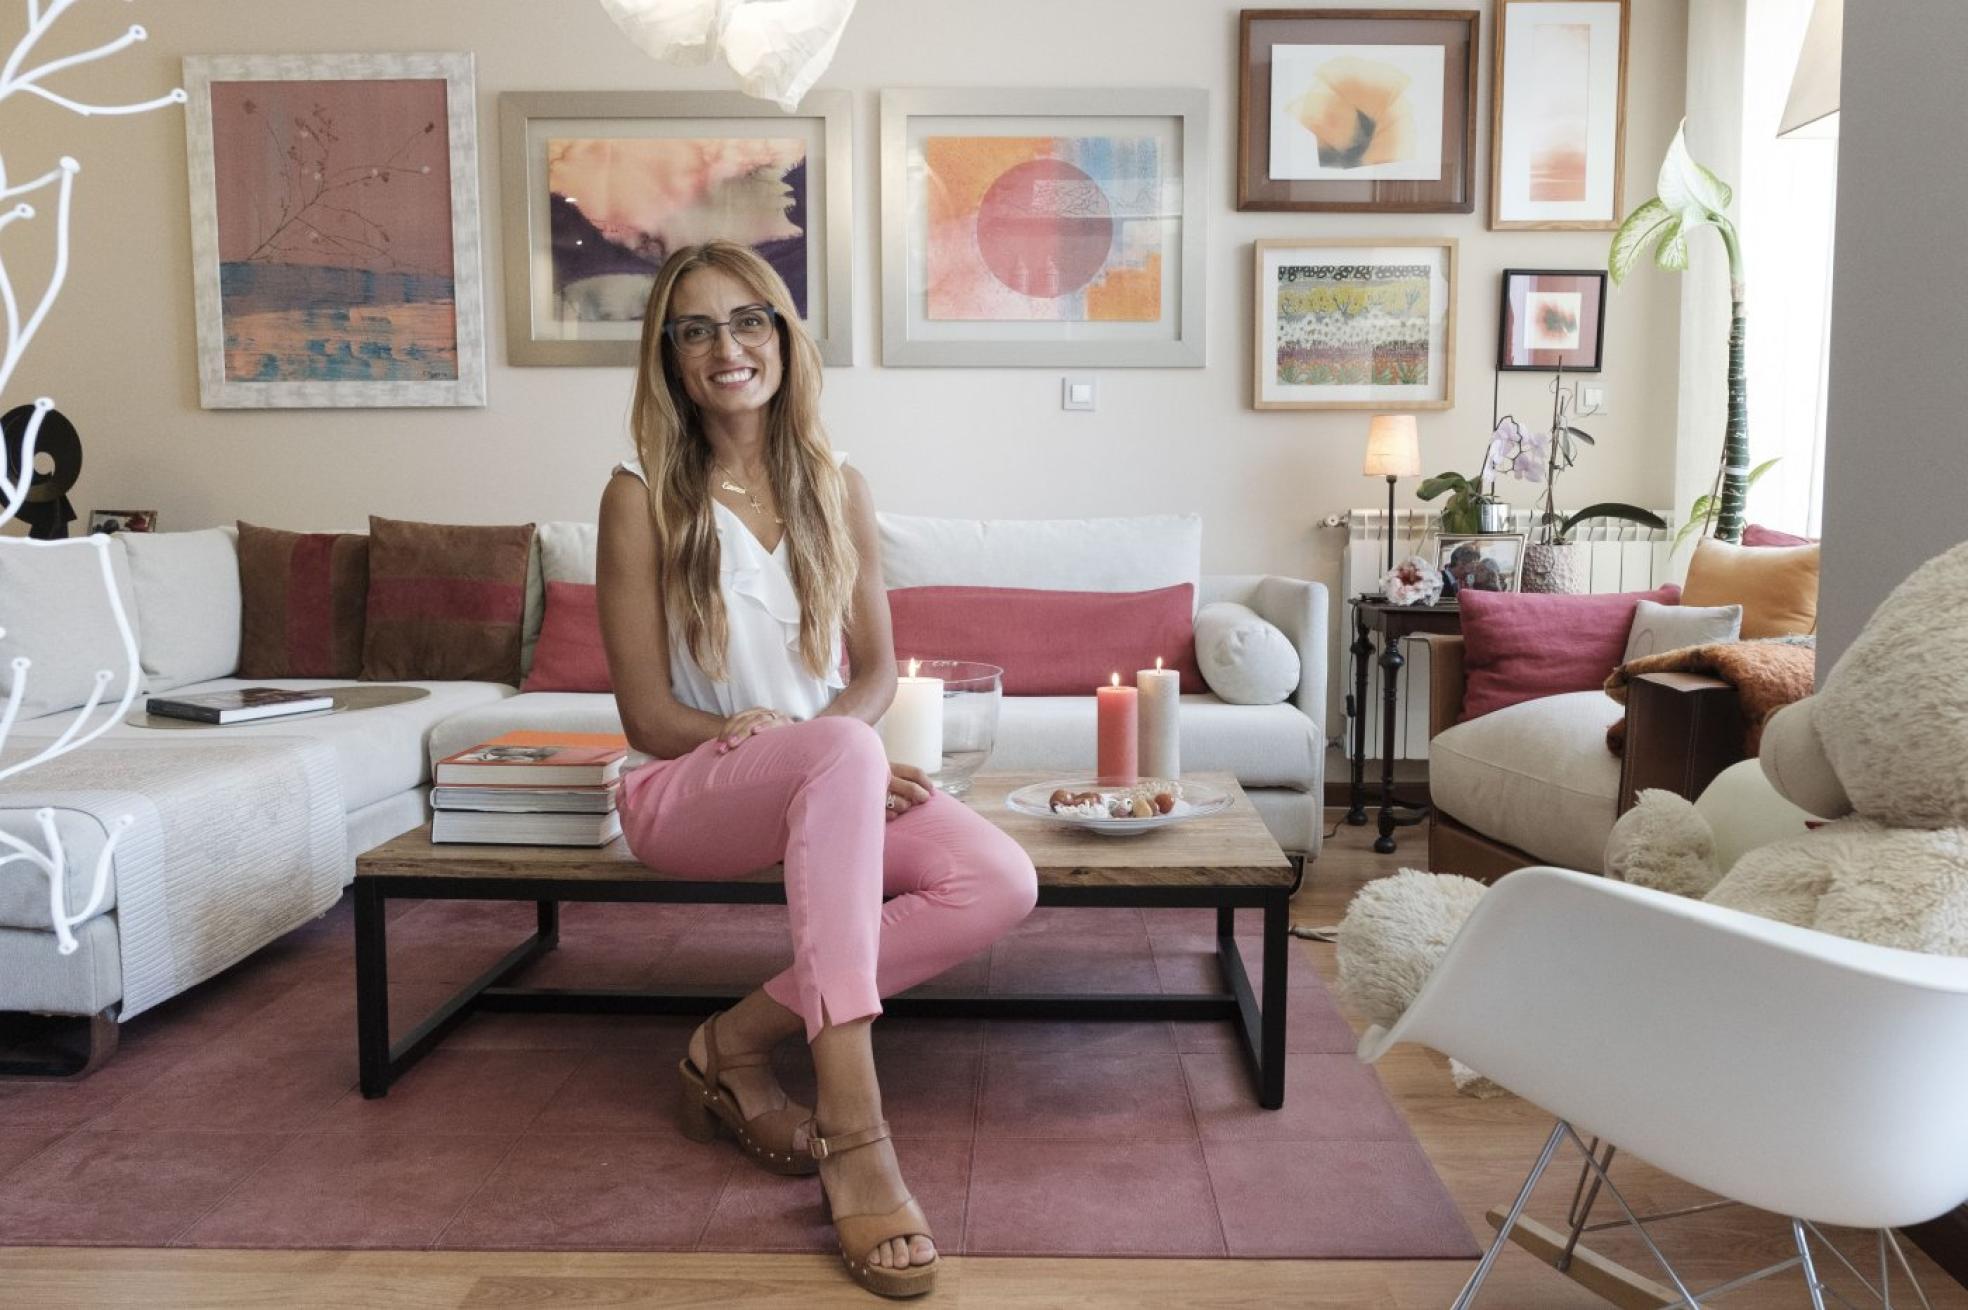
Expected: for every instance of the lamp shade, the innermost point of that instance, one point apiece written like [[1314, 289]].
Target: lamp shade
[[1393, 447], [1812, 109]]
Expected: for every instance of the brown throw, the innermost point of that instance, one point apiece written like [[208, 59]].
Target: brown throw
[[1767, 676]]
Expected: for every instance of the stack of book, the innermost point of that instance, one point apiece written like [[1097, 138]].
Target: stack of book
[[531, 789]]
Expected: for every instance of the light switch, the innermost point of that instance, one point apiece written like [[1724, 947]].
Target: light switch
[[1076, 393], [1592, 397]]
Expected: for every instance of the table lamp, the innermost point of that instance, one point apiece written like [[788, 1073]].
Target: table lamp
[[1393, 451]]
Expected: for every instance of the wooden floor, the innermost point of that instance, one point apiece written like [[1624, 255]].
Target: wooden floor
[[1481, 1149]]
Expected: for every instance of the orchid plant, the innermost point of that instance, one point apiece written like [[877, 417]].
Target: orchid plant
[[1513, 451]]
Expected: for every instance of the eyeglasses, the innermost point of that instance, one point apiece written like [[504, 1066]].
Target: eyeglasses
[[753, 325]]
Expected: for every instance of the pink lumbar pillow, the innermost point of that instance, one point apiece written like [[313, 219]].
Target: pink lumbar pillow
[[1051, 643], [1520, 646], [1758, 535], [569, 656]]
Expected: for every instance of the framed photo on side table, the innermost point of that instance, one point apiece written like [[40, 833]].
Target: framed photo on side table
[[1486, 562], [1552, 319], [1040, 228], [1558, 114], [334, 230], [600, 186], [1354, 323], [1360, 110]]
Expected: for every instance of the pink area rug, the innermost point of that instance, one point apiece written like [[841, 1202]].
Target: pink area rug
[[230, 1117]]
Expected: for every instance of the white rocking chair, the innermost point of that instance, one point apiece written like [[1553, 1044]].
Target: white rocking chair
[[1779, 1067]]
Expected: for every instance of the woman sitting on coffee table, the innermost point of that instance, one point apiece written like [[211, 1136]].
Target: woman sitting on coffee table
[[737, 556]]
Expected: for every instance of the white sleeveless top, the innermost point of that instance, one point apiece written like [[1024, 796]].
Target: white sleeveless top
[[762, 611]]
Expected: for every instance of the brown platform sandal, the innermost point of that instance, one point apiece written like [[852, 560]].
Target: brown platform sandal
[[860, 1234], [769, 1138]]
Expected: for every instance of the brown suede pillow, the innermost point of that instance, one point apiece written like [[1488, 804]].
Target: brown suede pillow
[[445, 601], [301, 601]]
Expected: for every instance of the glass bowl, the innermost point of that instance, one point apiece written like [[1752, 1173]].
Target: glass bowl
[[972, 692]]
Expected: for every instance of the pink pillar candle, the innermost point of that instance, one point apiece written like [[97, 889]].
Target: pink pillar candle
[[1118, 745]]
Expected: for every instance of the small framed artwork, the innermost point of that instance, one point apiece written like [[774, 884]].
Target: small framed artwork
[[1357, 110], [1489, 562], [1354, 324], [1558, 114], [334, 230], [599, 187], [122, 520], [1040, 228], [1552, 319]]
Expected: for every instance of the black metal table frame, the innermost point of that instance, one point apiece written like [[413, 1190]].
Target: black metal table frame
[[1260, 1026]]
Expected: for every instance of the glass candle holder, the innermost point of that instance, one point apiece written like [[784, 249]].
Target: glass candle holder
[[972, 693]]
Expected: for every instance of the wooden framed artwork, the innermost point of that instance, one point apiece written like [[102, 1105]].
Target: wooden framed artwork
[[1552, 319], [334, 230], [1357, 110], [1355, 323], [1044, 227], [1558, 114], [599, 187]]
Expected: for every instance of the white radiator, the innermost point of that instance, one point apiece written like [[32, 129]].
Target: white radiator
[[1620, 557]]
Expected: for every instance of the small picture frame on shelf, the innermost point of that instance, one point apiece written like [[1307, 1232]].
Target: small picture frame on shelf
[[122, 520], [1481, 561], [1552, 318]]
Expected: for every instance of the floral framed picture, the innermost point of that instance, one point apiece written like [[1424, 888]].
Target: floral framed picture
[[334, 229], [599, 187], [1552, 319], [1558, 114], [1354, 323], [1044, 227], [1486, 562], [1357, 110]]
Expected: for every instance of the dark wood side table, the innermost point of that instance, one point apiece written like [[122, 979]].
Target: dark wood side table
[[1372, 615]]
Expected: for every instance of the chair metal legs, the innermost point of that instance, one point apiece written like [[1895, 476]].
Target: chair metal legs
[[1475, 1283], [1811, 1282]]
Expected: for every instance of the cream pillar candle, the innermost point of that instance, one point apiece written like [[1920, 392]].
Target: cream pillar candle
[[912, 730], [1161, 731]]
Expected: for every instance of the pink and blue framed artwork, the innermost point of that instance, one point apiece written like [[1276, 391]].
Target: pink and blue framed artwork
[[335, 230]]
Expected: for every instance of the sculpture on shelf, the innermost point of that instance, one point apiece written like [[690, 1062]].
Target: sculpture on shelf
[[24, 73], [778, 48]]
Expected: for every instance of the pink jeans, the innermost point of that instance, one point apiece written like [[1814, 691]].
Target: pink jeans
[[813, 795]]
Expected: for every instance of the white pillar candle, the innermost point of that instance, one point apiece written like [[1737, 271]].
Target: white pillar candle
[[912, 730], [1161, 730]]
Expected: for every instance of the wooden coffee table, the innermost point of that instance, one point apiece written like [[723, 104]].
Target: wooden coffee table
[[1227, 862]]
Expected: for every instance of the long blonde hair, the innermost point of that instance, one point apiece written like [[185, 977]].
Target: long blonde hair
[[806, 482]]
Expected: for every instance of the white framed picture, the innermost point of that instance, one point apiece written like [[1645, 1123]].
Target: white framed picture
[[1354, 323], [1558, 114]]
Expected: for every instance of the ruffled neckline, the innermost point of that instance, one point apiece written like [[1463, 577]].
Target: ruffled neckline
[[748, 570]]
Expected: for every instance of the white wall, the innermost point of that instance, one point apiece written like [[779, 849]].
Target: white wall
[[118, 355], [1896, 463]]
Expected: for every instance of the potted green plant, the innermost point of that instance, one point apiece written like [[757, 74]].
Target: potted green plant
[[1511, 450], [1690, 198]]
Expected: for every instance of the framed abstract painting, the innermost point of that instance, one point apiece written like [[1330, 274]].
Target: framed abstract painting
[[600, 186], [1355, 323], [1558, 114], [1357, 110], [1552, 319], [1043, 227], [335, 241]]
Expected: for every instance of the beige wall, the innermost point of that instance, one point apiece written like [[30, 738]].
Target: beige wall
[[118, 355], [1896, 465]]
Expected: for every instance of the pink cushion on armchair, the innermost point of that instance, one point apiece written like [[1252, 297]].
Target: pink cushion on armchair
[[1519, 646], [1051, 643]]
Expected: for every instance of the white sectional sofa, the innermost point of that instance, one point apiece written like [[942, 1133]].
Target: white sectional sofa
[[186, 593]]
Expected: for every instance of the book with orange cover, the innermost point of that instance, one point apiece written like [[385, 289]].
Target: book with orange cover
[[537, 759]]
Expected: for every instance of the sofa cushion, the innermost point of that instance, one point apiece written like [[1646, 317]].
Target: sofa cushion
[[1244, 660], [302, 596], [1758, 535], [1535, 775], [58, 614], [1776, 586], [569, 655], [1519, 646], [562, 552], [530, 711], [1657, 627], [1050, 643], [446, 601], [1117, 554], [187, 586], [1262, 745]]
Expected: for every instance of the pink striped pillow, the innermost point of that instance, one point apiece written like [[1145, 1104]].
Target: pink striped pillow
[[570, 656], [446, 602], [1051, 643], [1519, 646]]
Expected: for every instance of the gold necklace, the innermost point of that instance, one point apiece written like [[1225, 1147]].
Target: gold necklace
[[730, 484]]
